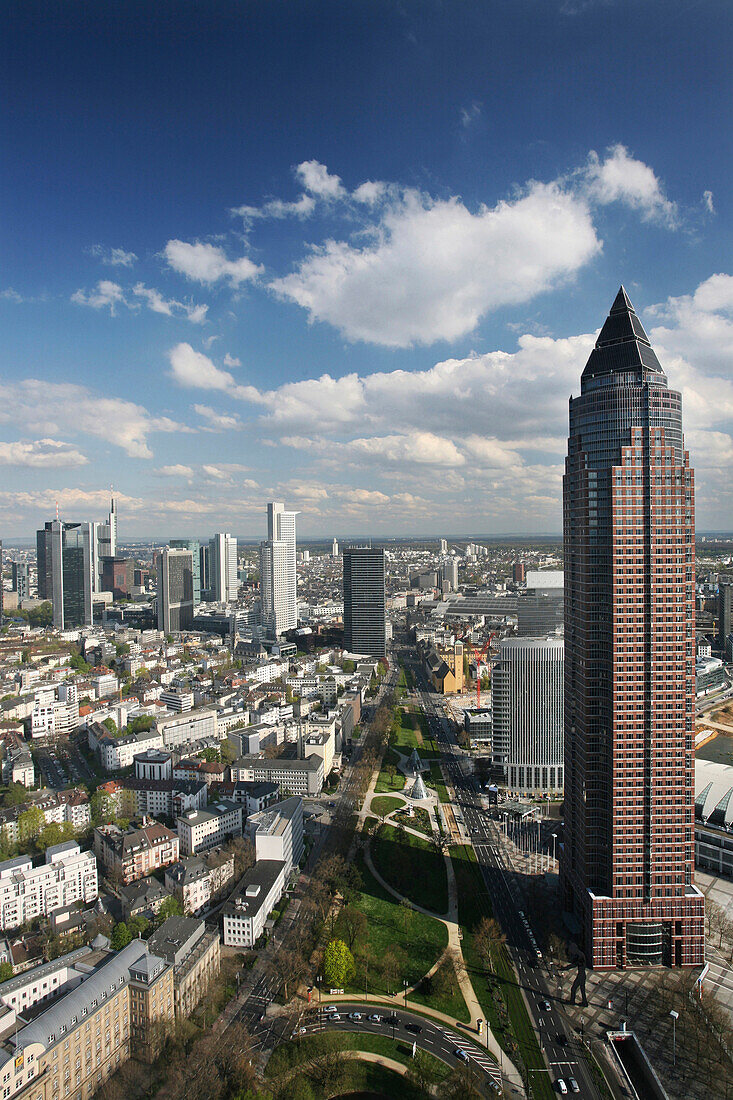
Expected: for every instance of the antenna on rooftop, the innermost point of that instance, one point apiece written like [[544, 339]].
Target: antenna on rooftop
[[57, 510]]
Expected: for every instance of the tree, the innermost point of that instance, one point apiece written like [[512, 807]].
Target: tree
[[338, 964], [15, 795], [141, 724], [170, 907], [487, 935], [78, 663], [111, 726], [419, 1073], [121, 936], [353, 923], [102, 805], [30, 823], [138, 926], [6, 971]]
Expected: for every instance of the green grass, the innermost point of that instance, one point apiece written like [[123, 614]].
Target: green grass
[[412, 867], [419, 820], [435, 780], [497, 992], [394, 935], [442, 992], [384, 784], [385, 804], [287, 1056]]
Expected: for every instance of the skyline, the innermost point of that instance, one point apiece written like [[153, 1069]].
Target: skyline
[[347, 260]]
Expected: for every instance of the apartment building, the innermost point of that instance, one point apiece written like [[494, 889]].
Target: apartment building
[[189, 727], [199, 830], [136, 852], [245, 914], [194, 953], [17, 766], [67, 875]]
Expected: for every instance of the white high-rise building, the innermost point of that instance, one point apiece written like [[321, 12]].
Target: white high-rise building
[[278, 583], [334, 548], [104, 543], [224, 582]]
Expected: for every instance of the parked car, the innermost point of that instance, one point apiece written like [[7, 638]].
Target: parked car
[[458, 1053]]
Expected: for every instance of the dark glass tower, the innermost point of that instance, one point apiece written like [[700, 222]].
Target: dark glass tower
[[365, 629], [629, 522]]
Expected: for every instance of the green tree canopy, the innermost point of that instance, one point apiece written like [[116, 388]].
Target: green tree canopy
[[171, 907], [6, 971], [121, 936], [338, 964], [30, 823]]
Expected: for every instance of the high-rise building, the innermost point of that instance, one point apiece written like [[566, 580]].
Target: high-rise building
[[540, 610], [224, 583], [725, 608], [278, 578], [20, 572], [104, 543], [527, 725], [444, 546], [519, 572], [205, 571], [629, 533], [449, 573], [195, 547], [175, 590], [66, 571], [365, 622]]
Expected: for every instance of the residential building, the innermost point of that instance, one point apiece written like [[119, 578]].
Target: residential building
[[116, 753], [245, 914], [175, 590], [365, 616], [277, 833], [196, 880], [137, 851], [188, 727], [143, 898], [194, 953], [301, 777], [177, 700], [195, 547], [527, 727], [26, 892], [199, 830], [223, 583], [629, 545], [17, 765], [278, 577]]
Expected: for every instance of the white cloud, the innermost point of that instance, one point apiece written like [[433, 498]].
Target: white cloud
[[194, 370], [370, 192], [316, 179], [106, 295], [707, 201], [470, 115], [622, 178], [218, 422], [11, 295], [207, 263], [113, 257], [47, 453], [50, 409], [177, 470], [169, 306], [231, 361], [436, 268]]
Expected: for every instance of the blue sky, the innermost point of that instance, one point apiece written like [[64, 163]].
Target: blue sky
[[350, 255]]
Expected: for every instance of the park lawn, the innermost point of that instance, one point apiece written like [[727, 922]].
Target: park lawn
[[436, 781], [384, 784], [448, 999], [500, 988], [419, 938], [287, 1056], [419, 820], [412, 867], [385, 804]]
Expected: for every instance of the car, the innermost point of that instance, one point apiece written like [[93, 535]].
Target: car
[[414, 1028], [561, 1038], [562, 1088], [393, 1020], [574, 1086], [375, 1018], [494, 1086], [545, 1006], [330, 1008], [458, 1053], [355, 1015], [334, 1016]]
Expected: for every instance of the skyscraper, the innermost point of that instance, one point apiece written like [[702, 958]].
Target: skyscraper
[[224, 583], [66, 571], [365, 624], [20, 574], [175, 590], [195, 547], [104, 543], [278, 579], [628, 503], [527, 723]]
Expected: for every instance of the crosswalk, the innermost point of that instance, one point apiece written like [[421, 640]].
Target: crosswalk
[[487, 1064]]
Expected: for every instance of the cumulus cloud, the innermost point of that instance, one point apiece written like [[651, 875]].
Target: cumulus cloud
[[176, 470], [46, 453], [50, 409], [107, 295], [707, 201], [620, 177], [169, 306], [208, 263], [113, 257], [217, 422], [317, 179]]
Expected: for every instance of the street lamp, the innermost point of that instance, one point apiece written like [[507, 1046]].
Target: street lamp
[[319, 979], [675, 1017], [405, 984]]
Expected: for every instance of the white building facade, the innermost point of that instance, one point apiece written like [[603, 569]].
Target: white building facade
[[278, 578]]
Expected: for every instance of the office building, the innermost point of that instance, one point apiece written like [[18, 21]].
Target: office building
[[519, 572], [66, 571], [303, 777], [199, 830], [194, 953], [629, 546], [365, 621], [725, 609], [175, 590], [277, 833], [117, 576], [540, 610], [104, 543], [527, 726], [68, 875], [224, 583], [449, 574], [278, 579], [20, 577], [334, 548], [195, 547], [244, 916]]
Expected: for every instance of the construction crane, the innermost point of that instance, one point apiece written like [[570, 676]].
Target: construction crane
[[478, 657]]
